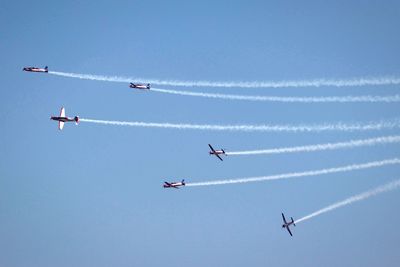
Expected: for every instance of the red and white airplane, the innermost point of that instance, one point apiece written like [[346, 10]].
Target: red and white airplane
[[175, 185], [287, 224], [216, 152], [139, 86], [34, 69], [62, 119]]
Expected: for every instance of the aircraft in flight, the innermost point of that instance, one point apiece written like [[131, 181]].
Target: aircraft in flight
[[62, 119], [34, 69], [216, 152], [139, 86], [287, 224], [175, 185]]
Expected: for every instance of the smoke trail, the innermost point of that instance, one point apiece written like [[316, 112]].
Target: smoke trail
[[321, 147], [95, 77], [384, 80], [259, 128], [347, 168], [329, 99], [379, 190]]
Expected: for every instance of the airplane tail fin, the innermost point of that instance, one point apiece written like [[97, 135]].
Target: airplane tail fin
[[293, 221], [46, 68], [76, 119], [148, 86], [183, 181]]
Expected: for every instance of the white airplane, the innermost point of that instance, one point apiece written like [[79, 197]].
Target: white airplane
[[216, 152], [287, 224], [175, 185], [139, 86], [34, 69], [62, 119]]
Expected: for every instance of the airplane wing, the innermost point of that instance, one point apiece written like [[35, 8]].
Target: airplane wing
[[212, 149], [284, 220], [289, 231], [60, 125], [219, 157], [166, 183], [62, 112]]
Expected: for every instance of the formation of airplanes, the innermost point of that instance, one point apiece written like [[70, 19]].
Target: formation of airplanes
[[62, 119]]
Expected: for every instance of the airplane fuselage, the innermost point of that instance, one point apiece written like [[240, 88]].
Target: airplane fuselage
[[217, 152], [63, 119], [33, 69], [140, 86], [286, 225], [174, 185]]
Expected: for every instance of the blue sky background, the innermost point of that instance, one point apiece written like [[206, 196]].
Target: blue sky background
[[92, 195]]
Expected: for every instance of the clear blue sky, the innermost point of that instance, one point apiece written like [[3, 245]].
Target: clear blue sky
[[92, 195]]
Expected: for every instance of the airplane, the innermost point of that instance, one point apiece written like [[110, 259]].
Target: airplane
[[34, 69], [287, 224], [216, 152], [62, 119], [139, 86], [175, 185]]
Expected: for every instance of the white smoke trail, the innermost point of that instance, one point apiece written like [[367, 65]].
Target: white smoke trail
[[379, 190], [347, 168], [329, 99], [95, 77], [385, 80], [259, 128], [321, 147]]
